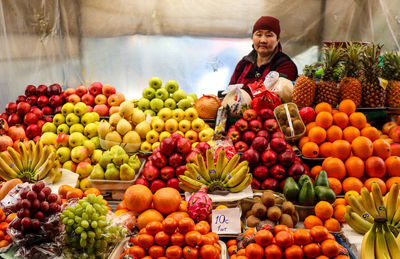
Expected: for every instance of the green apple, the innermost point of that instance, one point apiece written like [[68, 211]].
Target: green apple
[[170, 103], [150, 112], [171, 86], [63, 154], [49, 138], [90, 130], [80, 109], [89, 118], [144, 104], [96, 141], [178, 114], [190, 99], [155, 82], [194, 96], [58, 119], [162, 94], [63, 128], [49, 127], [149, 93], [179, 95], [76, 128], [95, 158], [184, 104], [71, 119], [76, 139], [156, 104], [165, 114], [90, 146], [67, 109]]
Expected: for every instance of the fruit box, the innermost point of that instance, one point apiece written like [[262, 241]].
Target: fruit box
[[289, 121], [124, 244], [130, 148]]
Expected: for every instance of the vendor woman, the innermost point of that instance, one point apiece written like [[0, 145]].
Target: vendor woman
[[266, 55]]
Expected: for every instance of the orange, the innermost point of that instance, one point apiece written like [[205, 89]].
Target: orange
[[310, 126], [362, 147], [342, 257], [354, 193], [315, 171], [63, 189], [332, 225], [352, 184], [341, 149], [330, 248], [334, 111], [392, 164], [302, 141], [354, 166], [334, 133], [381, 148], [312, 221], [350, 133], [74, 193], [370, 132], [358, 120], [341, 120], [317, 135], [302, 237], [319, 233], [335, 185], [325, 149], [323, 210], [375, 167], [339, 201], [381, 183], [323, 107], [347, 106], [389, 182], [334, 167], [310, 149], [312, 250], [92, 190], [395, 148], [339, 212], [324, 119]]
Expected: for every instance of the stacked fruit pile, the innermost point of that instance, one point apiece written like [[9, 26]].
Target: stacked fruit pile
[[324, 214], [281, 242], [126, 128], [115, 164], [5, 239], [155, 97]]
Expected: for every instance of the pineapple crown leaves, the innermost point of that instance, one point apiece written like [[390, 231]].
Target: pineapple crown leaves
[[332, 57], [309, 70], [391, 66], [351, 60], [370, 61]]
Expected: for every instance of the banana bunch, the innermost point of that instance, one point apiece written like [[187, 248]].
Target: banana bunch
[[224, 175], [379, 242], [362, 210], [30, 164]]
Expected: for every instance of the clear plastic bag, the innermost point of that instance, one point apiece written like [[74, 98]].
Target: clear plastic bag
[[226, 144], [236, 100]]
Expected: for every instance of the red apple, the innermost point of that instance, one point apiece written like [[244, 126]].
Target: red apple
[[269, 157], [101, 109], [264, 133], [32, 131], [88, 99], [191, 157], [23, 108], [241, 146], [175, 160], [4, 116], [251, 156], [108, 90], [270, 184], [394, 134], [184, 146], [260, 144], [54, 89], [277, 171], [73, 98], [42, 101], [69, 92], [176, 136], [255, 125], [156, 149], [286, 158], [278, 134], [40, 123], [307, 114], [41, 90], [30, 90], [156, 185], [242, 125], [296, 169], [234, 135], [100, 99], [271, 125], [20, 98], [32, 100], [14, 119], [47, 110], [81, 90], [248, 137], [202, 147], [58, 109], [266, 114], [142, 181], [150, 173], [158, 159], [48, 118], [278, 145], [249, 114], [31, 118], [95, 88], [167, 172], [167, 146], [11, 108], [260, 172], [62, 139], [114, 100], [387, 126], [180, 170], [255, 184], [55, 100], [173, 183]]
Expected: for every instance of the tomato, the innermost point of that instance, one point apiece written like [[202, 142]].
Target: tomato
[[161, 238], [273, 252], [263, 237], [136, 251], [279, 228], [145, 240], [203, 227], [231, 242], [319, 233], [302, 237], [190, 252], [185, 225], [254, 251], [241, 252], [177, 239], [173, 252], [169, 225], [156, 251], [193, 238], [312, 250], [209, 252], [215, 235], [134, 240], [207, 240], [232, 249], [284, 239], [154, 227], [294, 252]]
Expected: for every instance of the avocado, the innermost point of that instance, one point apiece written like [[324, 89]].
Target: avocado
[[302, 179], [325, 194], [322, 179], [307, 194], [291, 189]]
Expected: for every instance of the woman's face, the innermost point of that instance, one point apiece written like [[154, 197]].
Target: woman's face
[[265, 42]]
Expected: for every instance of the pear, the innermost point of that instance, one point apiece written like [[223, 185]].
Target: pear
[[126, 109], [114, 119], [142, 128], [112, 173], [103, 128], [134, 162], [137, 116], [126, 172], [105, 159], [97, 173], [120, 158], [112, 139], [116, 149], [123, 127], [133, 141]]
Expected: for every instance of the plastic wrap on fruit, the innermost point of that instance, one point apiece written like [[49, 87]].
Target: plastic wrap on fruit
[[243, 240], [266, 99], [236, 100], [225, 144], [7, 204]]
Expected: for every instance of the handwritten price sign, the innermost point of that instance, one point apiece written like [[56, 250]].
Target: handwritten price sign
[[226, 221]]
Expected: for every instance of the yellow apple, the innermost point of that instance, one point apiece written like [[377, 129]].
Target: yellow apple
[[198, 125], [163, 135], [178, 114], [157, 124], [194, 144], [165, 114], [146, 146], [191, 135], [191, 114], [184, 125], [206, 135], [171, 125], [180, 132], [155, 145], [152, 136]]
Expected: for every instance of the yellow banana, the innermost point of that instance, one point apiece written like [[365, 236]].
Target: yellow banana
[[187, 188], [190, 182], [203, 170], [24, 154], [368, 244], [220, 164], [46, 152], [50, 176], [381, 249], [238, 177], [9, 162], [38, 154], [359, 209], [16, 158], [392, 245], [193, 169], [368, 203], [241, 186], [378, 199], [364, 224], [392, 202], [211, 164], [231, 174], [226, 161], [396, 218], [42, 171], [6, 172], [31, 151], [230, 166], [353, 224]]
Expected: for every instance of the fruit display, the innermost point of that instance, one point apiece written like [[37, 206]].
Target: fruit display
[[324, 216], [304, 88], [115, 164], [306, 192], [207, 106], [281, 242], [155, 97], [89, 230], [269, 210], [391, 72], [289, 121]]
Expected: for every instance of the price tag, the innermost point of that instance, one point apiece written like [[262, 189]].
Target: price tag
[[226, 221]]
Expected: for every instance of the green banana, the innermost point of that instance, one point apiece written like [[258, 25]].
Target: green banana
[[392, 202], [368, 244], [378, 199], [394, 249], [238, 177], [381, 249], [243, 184]]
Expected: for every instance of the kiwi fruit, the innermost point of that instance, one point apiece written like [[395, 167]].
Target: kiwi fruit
[[256, 199], [274, 213], [282, 115], [287, 131], [252, 221], [249, 213], [259, 210], [288, 208], [286, 219], [246, 205], [298, 126], [268, 198], [295, 218]]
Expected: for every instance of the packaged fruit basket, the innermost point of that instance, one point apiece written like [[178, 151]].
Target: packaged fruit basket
[[289, 121]]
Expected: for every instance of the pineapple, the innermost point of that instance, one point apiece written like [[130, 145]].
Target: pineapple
[[327, 88], [391, 72], [350, 85], [373, 92], [304, 88]]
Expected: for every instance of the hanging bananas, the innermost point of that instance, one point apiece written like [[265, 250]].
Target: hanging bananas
[[30, 164], [224, 175]]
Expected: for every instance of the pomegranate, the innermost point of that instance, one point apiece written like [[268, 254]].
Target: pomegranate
[[3, 126], [207, 106], [16, 133], [5, 141]]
